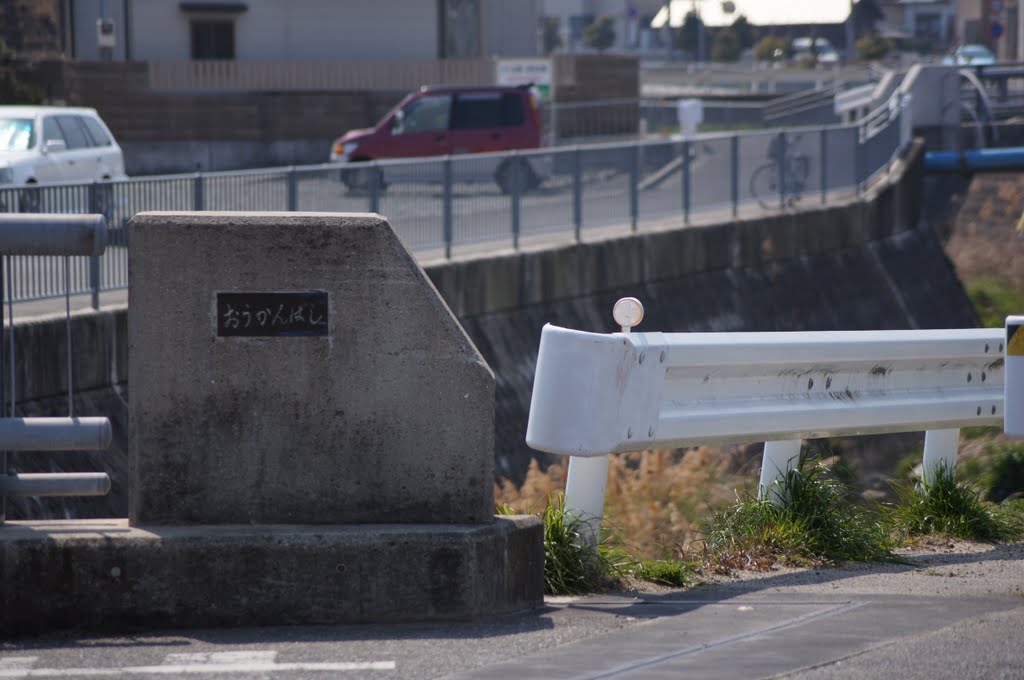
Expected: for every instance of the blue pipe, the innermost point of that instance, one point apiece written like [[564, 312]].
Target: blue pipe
[[975, 160]]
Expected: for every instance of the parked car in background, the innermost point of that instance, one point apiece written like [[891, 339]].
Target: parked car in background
[[42, 144], [970, 55], [820, 50], [441, 121]]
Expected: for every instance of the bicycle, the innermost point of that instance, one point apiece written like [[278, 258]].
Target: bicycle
[[796, 168]]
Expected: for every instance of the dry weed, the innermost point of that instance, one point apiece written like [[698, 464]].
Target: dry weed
[[653, 500]]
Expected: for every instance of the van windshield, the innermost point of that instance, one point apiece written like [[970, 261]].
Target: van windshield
[[16, 134]]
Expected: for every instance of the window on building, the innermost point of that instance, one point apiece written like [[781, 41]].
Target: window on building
[[213, 39]]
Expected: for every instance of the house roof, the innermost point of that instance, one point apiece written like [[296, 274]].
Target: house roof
[[758, 12]]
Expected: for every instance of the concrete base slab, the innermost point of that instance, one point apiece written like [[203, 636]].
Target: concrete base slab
[[106, 575]]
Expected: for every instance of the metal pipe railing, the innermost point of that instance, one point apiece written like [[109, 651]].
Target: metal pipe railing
[[40, 235], [29, 234]]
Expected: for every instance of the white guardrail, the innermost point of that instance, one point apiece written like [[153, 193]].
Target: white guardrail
[[596, 394]]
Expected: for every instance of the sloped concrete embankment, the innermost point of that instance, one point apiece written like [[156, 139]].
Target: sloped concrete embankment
[[868, 264]]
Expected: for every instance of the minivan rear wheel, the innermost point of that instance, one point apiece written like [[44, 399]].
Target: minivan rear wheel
[[515, 175]]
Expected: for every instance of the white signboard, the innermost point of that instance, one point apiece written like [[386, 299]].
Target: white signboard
[[523, 71]]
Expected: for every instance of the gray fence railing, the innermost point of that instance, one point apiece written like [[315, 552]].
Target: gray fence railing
[[447, 206], [38, 236]]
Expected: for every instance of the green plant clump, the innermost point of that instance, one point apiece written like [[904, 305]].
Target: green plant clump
[[571, 564], [942, 506], [666, 572], [1004, 473], [810, 521], [994, 300]]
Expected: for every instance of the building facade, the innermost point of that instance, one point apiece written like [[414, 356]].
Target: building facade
[[297, 30]]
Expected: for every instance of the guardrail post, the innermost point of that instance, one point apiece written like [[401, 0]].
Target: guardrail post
[[514, 196], [734, 173], [446, 206], [857, 160], [778, 459], [577, 192], [686, 182], [940, 449], [198, 200], [293, 189], [584, 492], [634, 188], [780, 172], [823, 163], [373, 183], [94, 280]]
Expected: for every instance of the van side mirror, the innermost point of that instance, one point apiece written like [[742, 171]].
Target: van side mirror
[[54, 146]]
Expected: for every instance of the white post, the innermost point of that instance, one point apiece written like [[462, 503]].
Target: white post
[[779, 458], [584, 492], [588, 476], [940, 447]]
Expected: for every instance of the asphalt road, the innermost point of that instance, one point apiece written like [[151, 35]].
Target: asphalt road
[[954, 612]]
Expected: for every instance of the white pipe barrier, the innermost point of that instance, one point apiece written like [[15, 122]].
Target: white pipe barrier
[[55, 434], [52, 234], [596, 394]]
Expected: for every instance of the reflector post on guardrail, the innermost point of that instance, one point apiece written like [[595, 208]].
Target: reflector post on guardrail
[[1013, 383]]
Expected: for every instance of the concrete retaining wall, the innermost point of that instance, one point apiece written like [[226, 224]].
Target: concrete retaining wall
[[868, 264]]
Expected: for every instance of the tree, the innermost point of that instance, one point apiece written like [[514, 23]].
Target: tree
[[600, 35], [771, 48], [864, 15], [687, 36], [872, 47], [744, 31], [12, 89], [550, 34], [726, 46]]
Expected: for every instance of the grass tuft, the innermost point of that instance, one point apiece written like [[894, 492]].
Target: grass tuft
[[946, 507], [571, 565], [814, 522]]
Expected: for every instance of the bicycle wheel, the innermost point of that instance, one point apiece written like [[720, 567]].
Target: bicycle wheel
[[763, 186]]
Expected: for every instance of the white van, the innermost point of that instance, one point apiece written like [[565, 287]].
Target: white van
[[41, 144]]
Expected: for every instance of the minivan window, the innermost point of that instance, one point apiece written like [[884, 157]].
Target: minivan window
[[74, 133], [16, 134], [487, 110], [51, 131], [430, 112], [425, 114], [97, 135]]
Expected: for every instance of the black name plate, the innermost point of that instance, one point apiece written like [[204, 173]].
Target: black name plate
[[272, 315]]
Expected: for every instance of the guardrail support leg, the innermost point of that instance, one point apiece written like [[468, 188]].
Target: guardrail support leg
[[446, 207], [779, 458], [584, 492], [685, 151], [734, 173], [940, 449], [634, 189], [292, 198], [577, 192]]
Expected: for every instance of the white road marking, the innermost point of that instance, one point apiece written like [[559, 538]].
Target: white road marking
[[190, 664]]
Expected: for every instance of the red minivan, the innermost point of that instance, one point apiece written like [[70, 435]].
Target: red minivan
[[441, 121]]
